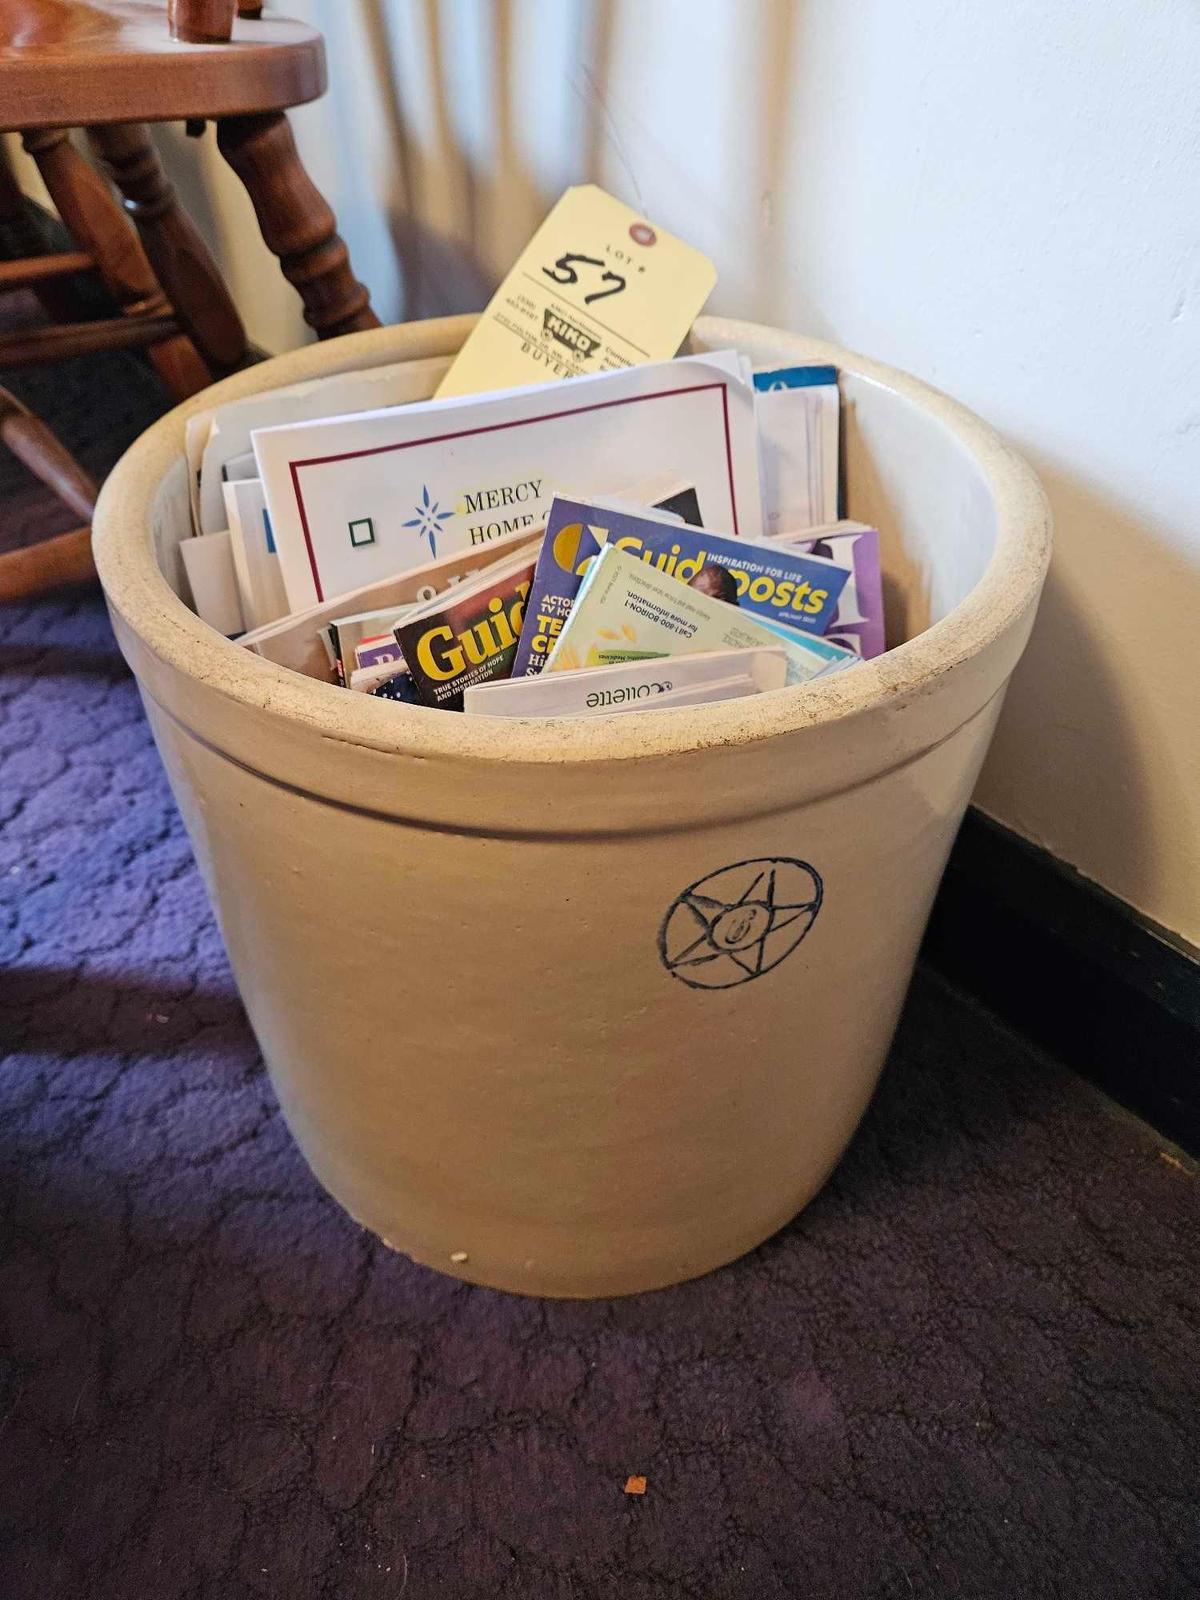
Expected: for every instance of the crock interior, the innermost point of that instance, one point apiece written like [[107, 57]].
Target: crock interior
[[904, 472]]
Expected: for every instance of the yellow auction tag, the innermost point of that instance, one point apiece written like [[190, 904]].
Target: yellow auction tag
[[596, 288]]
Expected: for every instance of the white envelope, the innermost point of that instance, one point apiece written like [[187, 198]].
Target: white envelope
[[355, 498]]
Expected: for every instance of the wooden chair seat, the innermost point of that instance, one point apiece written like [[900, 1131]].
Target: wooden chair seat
[[86, 62]]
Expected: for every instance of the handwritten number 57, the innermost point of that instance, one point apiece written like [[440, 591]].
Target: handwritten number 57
[[564, 272]]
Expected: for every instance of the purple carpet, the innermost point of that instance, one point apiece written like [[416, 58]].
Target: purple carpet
[[971, 1369]]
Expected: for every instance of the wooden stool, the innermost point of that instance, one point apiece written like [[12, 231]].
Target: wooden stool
[[111, 67]]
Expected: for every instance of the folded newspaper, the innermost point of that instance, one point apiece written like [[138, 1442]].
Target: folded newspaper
[[572, 517]]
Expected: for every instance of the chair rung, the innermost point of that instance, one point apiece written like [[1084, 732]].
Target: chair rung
[[37, 567], [36, 269], [24, 347]]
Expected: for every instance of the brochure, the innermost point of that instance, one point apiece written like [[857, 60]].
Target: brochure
[[859, 620], [229, 427], [761, 579], [592, 691], [353, 499], [366, 631], [627, 611], [208, 563]]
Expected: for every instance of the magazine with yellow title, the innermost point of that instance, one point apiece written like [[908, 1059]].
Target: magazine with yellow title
[[628, 611], [469, 636]]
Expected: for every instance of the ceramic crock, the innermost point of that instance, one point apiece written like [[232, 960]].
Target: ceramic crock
[[467, 945]]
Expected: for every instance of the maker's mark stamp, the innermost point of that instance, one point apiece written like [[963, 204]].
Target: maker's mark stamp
[[739, 922]]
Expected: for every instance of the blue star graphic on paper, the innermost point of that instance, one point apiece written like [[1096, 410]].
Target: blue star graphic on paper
[[428, 519]]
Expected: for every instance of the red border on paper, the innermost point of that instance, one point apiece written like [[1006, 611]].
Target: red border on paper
[[497, 427]]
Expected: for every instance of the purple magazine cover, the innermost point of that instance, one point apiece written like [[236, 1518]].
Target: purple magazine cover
[[768, 580], [858, 622]]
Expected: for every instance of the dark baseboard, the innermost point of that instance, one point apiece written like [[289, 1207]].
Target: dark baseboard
[[1079, 971]]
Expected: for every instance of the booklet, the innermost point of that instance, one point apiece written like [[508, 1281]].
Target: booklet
[[385, 682], [798, 424], [859, 620], [255, 563], [554, 589], [357, 498], [633, 685], [468, 637], [596, 289], [627, 611], [297, 641], [378, 651], [366, 639], [398, 687], [366, 680], [761, 579]]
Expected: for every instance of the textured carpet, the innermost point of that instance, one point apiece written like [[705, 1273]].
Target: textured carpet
[[972, 1368]]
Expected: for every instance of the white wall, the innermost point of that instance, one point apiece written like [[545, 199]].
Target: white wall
[[1002, 198]]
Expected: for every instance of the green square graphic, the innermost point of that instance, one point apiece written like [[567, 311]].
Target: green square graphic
[[362, 532]]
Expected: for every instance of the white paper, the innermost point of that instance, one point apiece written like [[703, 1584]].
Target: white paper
[[798, 433], [259, 577], [338, 394], [243, 466], [195, 438], [352, 499], [634, 685], [208, 559]]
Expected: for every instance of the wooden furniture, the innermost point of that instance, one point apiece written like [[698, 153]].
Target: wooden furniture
[[68, 558], [110, 67]]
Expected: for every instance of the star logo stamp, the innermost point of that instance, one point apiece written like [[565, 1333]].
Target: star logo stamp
[[428, 520], [739, 922]]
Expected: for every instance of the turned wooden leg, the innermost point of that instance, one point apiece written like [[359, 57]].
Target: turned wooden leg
[[296, 222], [180, 258], [207, 21], [24, 238], [93, 218], [201, 21], [32, 442], [67, 558]]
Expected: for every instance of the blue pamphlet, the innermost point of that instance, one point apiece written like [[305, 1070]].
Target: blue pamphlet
[[777, 586]]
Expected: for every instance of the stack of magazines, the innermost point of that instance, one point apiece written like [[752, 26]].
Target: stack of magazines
[[565, 519]]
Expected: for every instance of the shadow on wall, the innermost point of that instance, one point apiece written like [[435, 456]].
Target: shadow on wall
[[439, 277], [457, 224], [463, 187], [777, 153], [1106, 769]]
